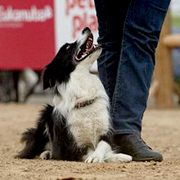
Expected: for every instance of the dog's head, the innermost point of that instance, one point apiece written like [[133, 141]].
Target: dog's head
[[68, 57]]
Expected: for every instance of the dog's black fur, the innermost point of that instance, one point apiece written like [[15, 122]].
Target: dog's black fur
[[62, 142], [59, 69]]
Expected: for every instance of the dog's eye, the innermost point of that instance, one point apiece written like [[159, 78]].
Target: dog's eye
[[67, 46]]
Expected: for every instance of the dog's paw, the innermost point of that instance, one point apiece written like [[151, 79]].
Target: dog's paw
[[124, 157], [110, 157], [46, 155], [95, 158]]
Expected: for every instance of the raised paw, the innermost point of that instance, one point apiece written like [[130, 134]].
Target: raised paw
[[46, 155]]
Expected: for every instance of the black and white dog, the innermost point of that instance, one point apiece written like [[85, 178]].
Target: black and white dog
[[77, 127]]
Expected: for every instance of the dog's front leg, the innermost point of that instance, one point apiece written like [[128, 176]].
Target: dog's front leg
[[57, 151], [99, 154], [57, 143]]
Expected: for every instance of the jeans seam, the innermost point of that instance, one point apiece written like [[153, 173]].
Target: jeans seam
[[107, 77], [126, 131], [114, 108]]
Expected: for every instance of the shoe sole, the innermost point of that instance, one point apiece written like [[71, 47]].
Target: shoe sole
[[159, 159]]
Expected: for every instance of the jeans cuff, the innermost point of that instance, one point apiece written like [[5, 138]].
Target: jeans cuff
[[126, 131]]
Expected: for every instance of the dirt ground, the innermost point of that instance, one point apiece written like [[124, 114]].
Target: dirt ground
[[161, 130]]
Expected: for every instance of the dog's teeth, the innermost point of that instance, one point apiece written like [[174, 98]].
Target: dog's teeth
[[83, 56], [79, 50]]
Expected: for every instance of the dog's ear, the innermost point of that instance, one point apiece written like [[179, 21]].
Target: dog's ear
[[48, 78]]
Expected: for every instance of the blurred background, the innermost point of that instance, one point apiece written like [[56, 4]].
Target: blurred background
[[32, 31]]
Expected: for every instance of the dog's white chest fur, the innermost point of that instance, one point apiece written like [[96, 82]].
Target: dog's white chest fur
[[87, 123]]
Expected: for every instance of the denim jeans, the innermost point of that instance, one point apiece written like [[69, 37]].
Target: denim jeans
[[129, 33]]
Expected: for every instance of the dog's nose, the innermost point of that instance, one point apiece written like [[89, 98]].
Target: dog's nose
[[85, 30]]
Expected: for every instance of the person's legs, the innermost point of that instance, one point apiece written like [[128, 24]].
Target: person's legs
[[126, 66], [140, 37], [111, 16]]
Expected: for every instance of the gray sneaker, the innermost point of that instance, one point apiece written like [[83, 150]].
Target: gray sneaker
[[133, 145]]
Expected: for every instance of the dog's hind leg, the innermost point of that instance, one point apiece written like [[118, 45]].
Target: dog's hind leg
[[36, 138], [30, 150], [46, 155]]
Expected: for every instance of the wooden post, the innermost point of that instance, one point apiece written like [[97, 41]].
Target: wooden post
[[163, 70], [172, 41]]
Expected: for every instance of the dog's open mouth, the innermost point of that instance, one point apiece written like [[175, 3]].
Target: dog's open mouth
[[86, 49]]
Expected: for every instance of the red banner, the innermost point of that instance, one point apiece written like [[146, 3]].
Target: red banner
[[27, 35]]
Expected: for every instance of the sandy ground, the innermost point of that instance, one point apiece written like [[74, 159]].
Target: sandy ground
[[161, 130]]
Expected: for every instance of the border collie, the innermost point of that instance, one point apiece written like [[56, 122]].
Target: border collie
[[77, 127]]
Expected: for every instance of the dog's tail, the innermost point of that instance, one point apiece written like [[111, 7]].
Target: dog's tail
[[36, 138]]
